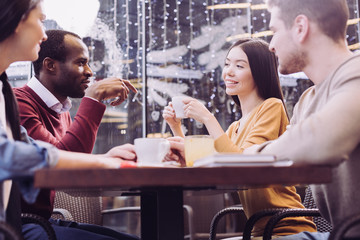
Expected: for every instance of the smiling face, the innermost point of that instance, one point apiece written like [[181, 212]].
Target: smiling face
[[237, 73], [291, 58], [30, 33], [73, 74]]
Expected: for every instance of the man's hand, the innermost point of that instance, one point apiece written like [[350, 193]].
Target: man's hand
[[126, 152], [110, 88]]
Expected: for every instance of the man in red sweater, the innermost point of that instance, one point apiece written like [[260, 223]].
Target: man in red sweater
[[62, 71]]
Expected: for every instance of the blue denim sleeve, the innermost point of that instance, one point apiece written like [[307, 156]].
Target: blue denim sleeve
[[20, 159]]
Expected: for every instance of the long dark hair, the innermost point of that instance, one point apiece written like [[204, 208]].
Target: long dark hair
[[263, 65], [11, 107], [11, 13]]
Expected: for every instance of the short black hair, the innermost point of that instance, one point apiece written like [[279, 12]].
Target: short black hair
[[53, 47]]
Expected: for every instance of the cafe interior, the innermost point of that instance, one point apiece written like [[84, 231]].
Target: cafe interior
[[165, 48]]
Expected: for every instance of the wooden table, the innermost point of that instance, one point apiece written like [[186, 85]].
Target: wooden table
[[161, 189]]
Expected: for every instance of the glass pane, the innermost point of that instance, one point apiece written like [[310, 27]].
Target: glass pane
[[184, 43]]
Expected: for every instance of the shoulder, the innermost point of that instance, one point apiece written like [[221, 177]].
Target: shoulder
[[23, 92], [273, 110], [18, 91], [271, 104], [348, 70], [26, 97], [350, 65], [233, 125]]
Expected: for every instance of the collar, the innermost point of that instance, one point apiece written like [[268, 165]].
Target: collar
[[49, 99]]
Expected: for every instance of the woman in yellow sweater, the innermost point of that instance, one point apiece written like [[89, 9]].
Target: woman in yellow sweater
[[251, 78]]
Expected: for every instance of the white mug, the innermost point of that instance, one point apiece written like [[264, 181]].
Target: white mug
[[178, 106], [151, 151]]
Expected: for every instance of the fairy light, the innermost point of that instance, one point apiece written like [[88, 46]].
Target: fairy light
[[207, 13], [115, 16], [357, 22], [165, 17], [191, 25], [151, 34], [127, 24], [208, 21], [228, 6], [178, 31], [212, 23], [249, 14], [143, 79], [160, 41], [138, 40], [139, 48]]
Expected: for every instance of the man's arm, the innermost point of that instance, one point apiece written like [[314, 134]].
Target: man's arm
[[328, 136], [79, 136]]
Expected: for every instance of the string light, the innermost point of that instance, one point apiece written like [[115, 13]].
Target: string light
[[255, 24], [127, 24], [178, 31], [191, 26]]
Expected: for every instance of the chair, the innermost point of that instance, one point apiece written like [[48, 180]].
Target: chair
[[277, 215], [45, 224], [89, 210], [204, 207], [339, 231], [81, 209], [310, 210], [246, 234], [73, 205], [8, 232]]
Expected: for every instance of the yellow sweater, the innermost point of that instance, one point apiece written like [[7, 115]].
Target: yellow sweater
[[266, 122]]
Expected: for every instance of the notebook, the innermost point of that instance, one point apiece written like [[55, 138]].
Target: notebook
[[237, 160]]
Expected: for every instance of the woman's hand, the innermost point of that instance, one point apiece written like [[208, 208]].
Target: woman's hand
[[196, 110], [170, 116], [177, 150], [174, 123]]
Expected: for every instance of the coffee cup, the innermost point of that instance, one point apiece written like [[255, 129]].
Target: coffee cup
[[151, 151], [178, 106]]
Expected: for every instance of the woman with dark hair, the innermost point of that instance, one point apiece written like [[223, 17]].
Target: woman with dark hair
[[251, 78], [21, 34]]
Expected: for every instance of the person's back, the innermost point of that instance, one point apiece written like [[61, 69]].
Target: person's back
[[309, 36], [344, 151]]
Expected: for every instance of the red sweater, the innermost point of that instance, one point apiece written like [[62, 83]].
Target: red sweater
[[42, 123]]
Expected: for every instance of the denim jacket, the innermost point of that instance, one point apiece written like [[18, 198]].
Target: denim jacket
[[20, 159]]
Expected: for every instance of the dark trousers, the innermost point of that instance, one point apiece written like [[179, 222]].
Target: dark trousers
[[66, 230]]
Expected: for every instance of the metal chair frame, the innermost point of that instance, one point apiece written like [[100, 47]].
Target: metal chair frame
[[277, 215]]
